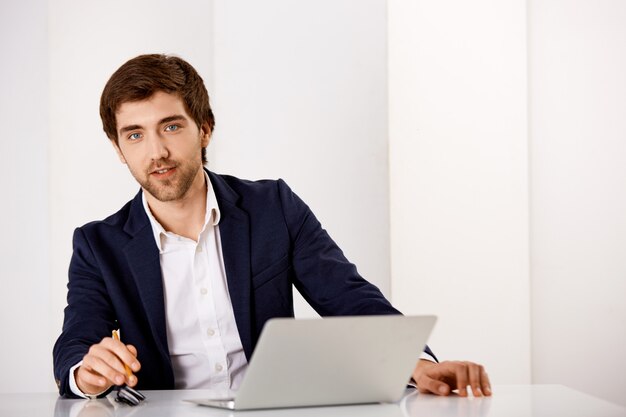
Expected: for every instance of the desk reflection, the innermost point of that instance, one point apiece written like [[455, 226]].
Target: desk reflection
[[165, 404], [511, 400], [104, 407], [451, 406]]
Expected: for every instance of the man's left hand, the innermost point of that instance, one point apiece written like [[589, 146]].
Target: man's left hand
[[442, 378]]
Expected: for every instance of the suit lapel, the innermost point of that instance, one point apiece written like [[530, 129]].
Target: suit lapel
[[142, 255], [234, 229]]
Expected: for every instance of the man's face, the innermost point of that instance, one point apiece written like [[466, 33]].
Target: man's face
[[161, 144]]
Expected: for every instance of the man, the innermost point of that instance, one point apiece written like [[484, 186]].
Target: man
[[196, 263]]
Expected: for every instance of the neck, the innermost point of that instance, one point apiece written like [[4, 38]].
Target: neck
[[184, 216]]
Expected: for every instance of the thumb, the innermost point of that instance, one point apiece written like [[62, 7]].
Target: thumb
[[426, 384]]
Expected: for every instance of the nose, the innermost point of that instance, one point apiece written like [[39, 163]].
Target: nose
[[157, 147]]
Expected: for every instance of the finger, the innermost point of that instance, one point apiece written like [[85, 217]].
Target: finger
[[461, 378], [94, 382], [485, 382], [134, 365], [109, 369], [122, 352], [426, 384], [108, 356], [474, 372], [114, 354], [100, 367]]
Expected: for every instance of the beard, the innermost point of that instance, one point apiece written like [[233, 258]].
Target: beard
[[169, 189]]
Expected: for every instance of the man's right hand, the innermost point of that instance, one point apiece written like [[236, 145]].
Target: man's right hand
[[103, 366]]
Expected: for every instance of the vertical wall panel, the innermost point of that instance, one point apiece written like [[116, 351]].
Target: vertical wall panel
[[578, 183], [459, 177], [24, 220]]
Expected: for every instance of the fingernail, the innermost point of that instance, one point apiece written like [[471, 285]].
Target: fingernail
[[132, 380], [443, 390], [487, 390], [478, 393], [135, 366], [119, 380]]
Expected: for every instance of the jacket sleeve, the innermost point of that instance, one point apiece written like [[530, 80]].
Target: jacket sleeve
[[323, 275], [88, 316]]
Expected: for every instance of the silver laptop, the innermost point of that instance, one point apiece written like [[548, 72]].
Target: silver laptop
[[330, 361]]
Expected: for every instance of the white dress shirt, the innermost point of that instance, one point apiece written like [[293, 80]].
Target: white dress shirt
[[202, 337]]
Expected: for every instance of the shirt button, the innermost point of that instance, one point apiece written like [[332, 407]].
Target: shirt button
[[219, 367], [203, 291], [198, 248], [210, 332]]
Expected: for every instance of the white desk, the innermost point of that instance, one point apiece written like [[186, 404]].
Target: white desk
[[508, 401]]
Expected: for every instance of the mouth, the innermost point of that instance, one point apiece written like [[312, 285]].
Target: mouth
[[163, 172]]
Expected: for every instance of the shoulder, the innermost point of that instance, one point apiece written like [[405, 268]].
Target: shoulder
[[116, 222], [261, 197], [244, 191], [246, 186]]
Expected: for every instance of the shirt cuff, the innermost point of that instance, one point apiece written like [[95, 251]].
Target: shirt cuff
[[427, 357], [74, 388]]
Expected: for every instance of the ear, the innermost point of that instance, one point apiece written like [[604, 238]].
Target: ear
[[205, 132], [118, 151]]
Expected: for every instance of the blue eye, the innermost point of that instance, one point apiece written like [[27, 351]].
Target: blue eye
[[134, 136], [171, 128]]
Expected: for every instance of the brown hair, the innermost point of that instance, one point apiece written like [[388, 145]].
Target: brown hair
[[144, 75]]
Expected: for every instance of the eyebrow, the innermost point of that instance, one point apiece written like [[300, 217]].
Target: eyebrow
[[168, 119]]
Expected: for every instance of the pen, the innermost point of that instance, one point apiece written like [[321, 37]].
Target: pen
[[125, 393], [116, 336]]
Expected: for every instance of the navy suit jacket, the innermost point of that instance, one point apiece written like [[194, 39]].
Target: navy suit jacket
[[270, 240]]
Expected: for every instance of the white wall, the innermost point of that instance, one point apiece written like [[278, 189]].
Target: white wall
[[459, 177], [578, 202], [24, 208]]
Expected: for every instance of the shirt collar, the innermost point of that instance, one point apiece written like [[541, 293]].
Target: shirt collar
[[212, 215]]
